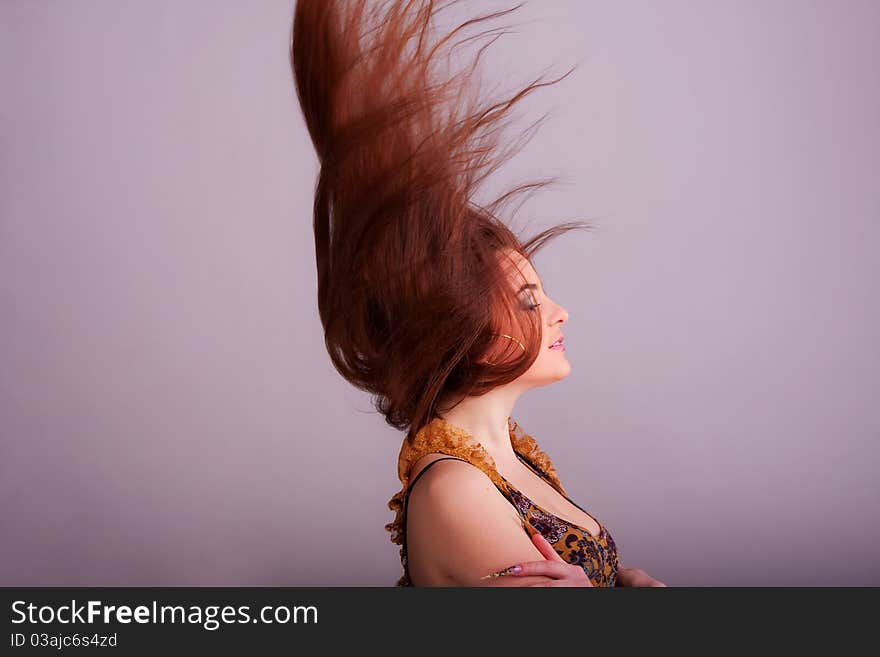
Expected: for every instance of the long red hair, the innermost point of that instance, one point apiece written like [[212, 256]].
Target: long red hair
[[412, 290]]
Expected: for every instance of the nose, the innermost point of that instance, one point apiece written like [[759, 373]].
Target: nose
[[560, 315]]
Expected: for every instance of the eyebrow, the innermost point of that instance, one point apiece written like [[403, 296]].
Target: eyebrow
[[527, 286]]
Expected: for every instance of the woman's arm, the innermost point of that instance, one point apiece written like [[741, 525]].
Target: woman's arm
[[460, 527]]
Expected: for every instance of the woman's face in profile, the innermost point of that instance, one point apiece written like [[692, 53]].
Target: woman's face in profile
[[551, 364]]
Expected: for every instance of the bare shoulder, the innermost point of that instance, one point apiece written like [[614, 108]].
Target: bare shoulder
[[460, 527], [426, 460]]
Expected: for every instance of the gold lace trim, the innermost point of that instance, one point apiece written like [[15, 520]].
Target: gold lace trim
[[439, 436]]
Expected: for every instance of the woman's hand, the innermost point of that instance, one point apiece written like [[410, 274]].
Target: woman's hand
[[635, 577], [564, 573]]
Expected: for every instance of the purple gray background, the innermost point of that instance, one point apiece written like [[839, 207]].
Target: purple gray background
[[169, 415]]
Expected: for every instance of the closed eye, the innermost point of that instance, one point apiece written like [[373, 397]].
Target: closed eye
[[533, 305]]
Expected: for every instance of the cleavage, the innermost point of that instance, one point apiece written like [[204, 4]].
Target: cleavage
[[527, 474]]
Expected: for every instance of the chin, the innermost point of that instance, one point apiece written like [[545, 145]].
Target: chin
[[563, 371], [558, 374]]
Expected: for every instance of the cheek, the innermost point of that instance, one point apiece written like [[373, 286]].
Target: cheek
[[549, 365], [543, 361]]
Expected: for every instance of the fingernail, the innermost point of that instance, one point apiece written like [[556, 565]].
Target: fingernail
[[503, 572]]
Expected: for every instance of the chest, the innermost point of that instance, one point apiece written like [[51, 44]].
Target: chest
[[541, 493]]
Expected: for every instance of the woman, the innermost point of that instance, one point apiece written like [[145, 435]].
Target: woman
[[429, 301]]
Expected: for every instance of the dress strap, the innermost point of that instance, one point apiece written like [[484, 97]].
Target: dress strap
[[406, 504], [423, 470]]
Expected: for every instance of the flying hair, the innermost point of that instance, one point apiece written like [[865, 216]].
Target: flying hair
[[413, 273]]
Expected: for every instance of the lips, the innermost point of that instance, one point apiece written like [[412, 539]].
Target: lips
[[558, 343]]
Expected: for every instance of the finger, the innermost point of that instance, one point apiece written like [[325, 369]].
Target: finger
[[546, 567], [545, 548]]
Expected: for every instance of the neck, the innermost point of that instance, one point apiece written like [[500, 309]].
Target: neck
[[485, 419]]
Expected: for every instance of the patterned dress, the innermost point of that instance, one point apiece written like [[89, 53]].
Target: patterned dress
[[597, 555]]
